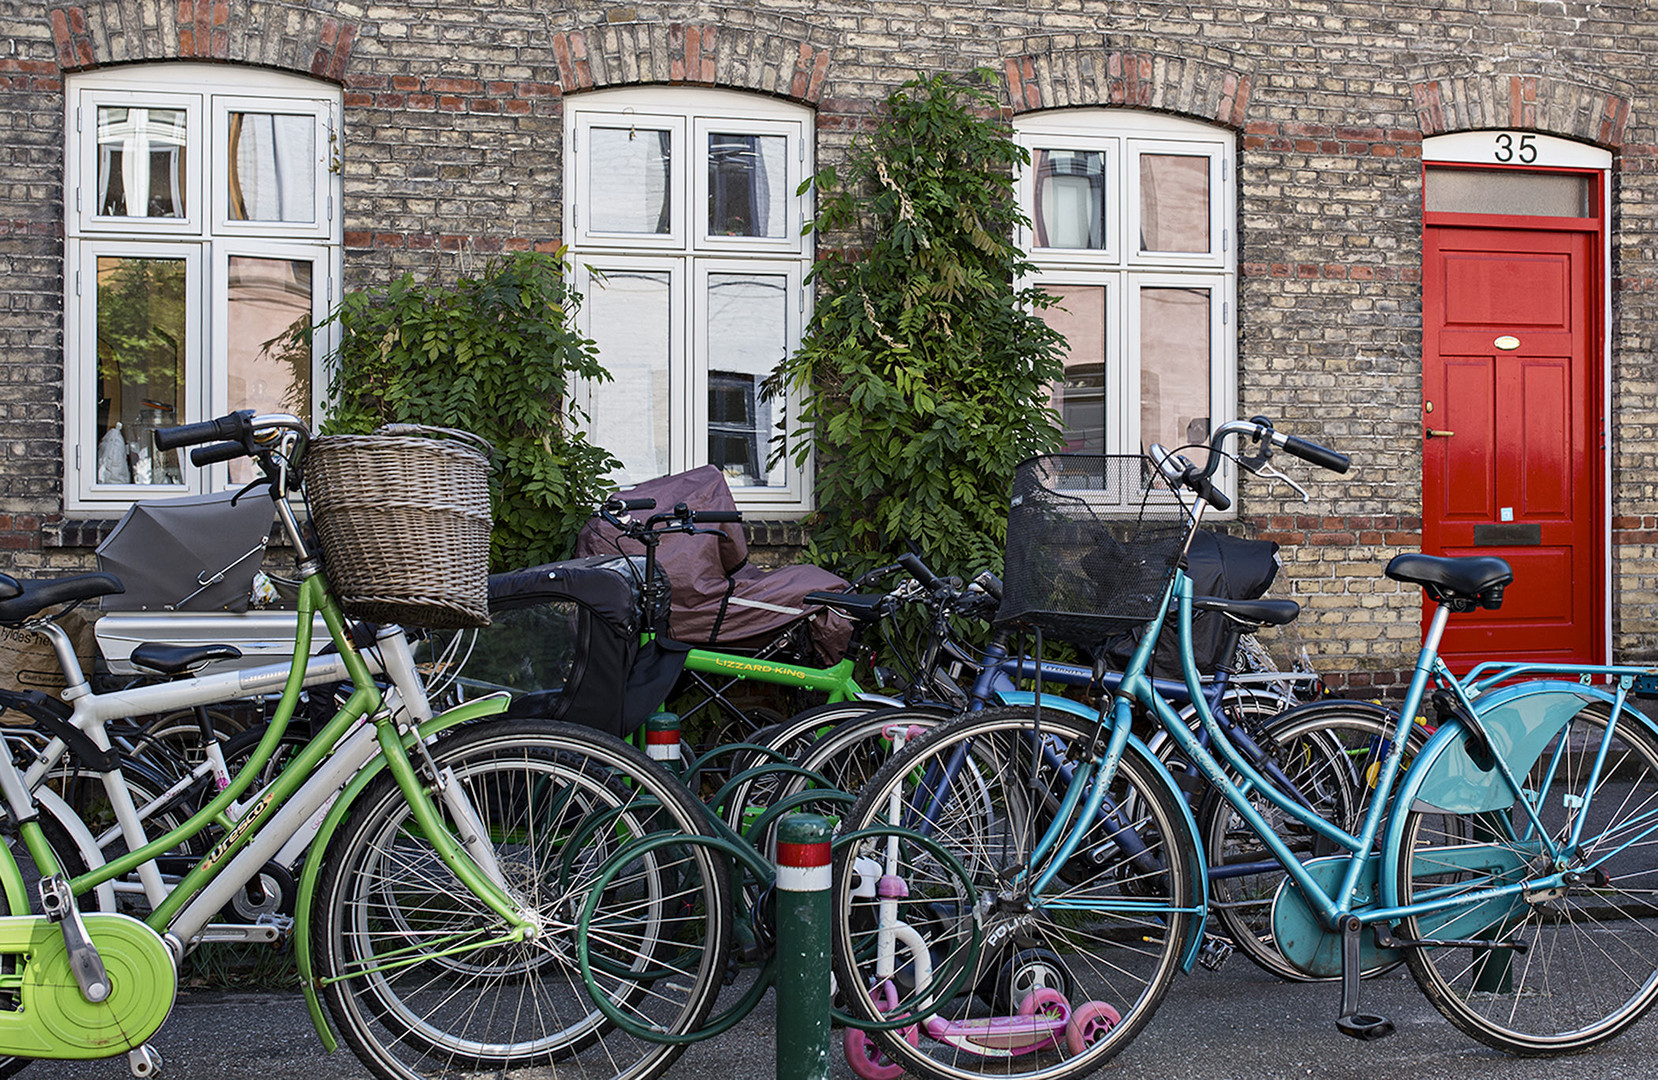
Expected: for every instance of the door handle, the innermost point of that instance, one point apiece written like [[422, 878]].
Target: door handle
[[1432, 434]]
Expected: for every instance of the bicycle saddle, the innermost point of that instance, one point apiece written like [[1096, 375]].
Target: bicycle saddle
[[1254, 613], [1460, 582], [9, 587], [172, 659], [37, 596]]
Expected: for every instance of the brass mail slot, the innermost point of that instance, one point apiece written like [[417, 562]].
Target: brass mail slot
[[1508, 535]]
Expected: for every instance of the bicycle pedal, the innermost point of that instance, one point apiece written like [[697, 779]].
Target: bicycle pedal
[[1214, 952], [1364, 1027]]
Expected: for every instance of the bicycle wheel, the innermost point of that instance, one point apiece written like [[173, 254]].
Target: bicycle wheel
[[1328, 751], [788, 739], [417, 974], [1099, 938], [1569, 964]]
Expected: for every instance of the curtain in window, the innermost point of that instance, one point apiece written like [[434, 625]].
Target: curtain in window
[[272, 167], [1070, 199]]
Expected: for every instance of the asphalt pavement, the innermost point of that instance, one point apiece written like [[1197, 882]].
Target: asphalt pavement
[[1236, 1024]]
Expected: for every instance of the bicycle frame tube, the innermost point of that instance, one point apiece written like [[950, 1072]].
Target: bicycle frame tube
[[835, 681]]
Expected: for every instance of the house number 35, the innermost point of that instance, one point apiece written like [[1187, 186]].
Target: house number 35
[[1521, 148]]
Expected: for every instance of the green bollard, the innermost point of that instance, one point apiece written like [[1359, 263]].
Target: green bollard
[[662, 740], [803, 878]]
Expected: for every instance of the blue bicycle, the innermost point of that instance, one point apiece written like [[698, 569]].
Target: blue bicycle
[[1511, 866]]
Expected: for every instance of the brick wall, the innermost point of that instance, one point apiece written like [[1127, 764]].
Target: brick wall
[[453, 151]]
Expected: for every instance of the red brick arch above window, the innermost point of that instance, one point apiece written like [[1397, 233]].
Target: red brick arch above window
[[689, 53], [277, 35], [1141, 79], [1532, 102]]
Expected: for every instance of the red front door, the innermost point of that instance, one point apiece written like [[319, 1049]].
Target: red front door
[[1509, 423]]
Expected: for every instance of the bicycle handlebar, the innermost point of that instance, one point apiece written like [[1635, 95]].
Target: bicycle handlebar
[[911, 563], [236, 427], [213, 453]]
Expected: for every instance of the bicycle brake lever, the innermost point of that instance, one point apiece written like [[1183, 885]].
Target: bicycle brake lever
[[1261, 467]]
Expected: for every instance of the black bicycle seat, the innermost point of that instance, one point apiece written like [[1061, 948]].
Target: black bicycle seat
[[173, 659], [37, 596], [1461, 582], [1255, 613]]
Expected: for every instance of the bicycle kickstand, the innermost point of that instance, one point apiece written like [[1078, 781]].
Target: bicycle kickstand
[[1351, 1022]]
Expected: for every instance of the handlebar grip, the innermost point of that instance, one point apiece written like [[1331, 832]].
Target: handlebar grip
[[1209, 493], [917, 569], [234, 426], [990, 583], [616, 502], [213, 453], [716, 517], [1316, 454]]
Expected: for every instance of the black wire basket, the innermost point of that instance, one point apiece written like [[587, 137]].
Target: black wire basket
[[1092, 540]]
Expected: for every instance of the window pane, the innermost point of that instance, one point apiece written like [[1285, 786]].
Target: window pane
[[1504, 191], [629, 414], [142, 345], [266, 297], [272, 167], [1174, 202], [1080, 400], [747, 338], [141, 162], [1174, 368], [1070, 209], [747, 185], [627, 180]]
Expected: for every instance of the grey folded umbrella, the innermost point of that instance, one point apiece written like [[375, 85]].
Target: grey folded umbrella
[[196, 553]]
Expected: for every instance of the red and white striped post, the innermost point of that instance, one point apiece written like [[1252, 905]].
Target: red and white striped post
[[662, 740], [803, 879]]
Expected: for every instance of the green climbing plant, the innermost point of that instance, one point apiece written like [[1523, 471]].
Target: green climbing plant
[[495, 355], [924, 373]]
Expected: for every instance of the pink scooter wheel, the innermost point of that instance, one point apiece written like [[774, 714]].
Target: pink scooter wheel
[[1048, 1002], [868, 1060], [1091, 1022]]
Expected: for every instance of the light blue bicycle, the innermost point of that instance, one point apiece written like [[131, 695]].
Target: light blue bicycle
[[1511, 865]]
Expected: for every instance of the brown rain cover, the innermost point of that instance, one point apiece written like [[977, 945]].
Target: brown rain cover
[[718, 599]]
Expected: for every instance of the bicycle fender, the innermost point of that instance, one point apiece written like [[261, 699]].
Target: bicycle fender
[[1199, 858], [460, 714], [1453, 773], [1519, 720]]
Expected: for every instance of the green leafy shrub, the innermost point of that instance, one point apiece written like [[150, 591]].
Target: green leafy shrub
[[494, 355], [924, 372]]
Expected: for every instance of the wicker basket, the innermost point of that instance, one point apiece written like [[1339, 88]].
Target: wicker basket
[[404, 522]]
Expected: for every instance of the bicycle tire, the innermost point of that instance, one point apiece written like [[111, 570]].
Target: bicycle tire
[[1115, 918], [503, 1007], [1327, 749], [1590, 964], [788, 739]]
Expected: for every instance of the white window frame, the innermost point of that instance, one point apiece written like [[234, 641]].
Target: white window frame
[[82, 211], [203, 238], [319, 112], [80, 431], [693, 252], [680, 444], [1124, 135]]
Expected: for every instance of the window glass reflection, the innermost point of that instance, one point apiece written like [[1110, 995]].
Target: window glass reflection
[[627, 180], [141, 159], [143, 337], [747, 185], [1174, 203], [1070, 189], [747, 338], [629, 414], [1080, 399], [272, 167], [1174, 368], [266, 297]]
